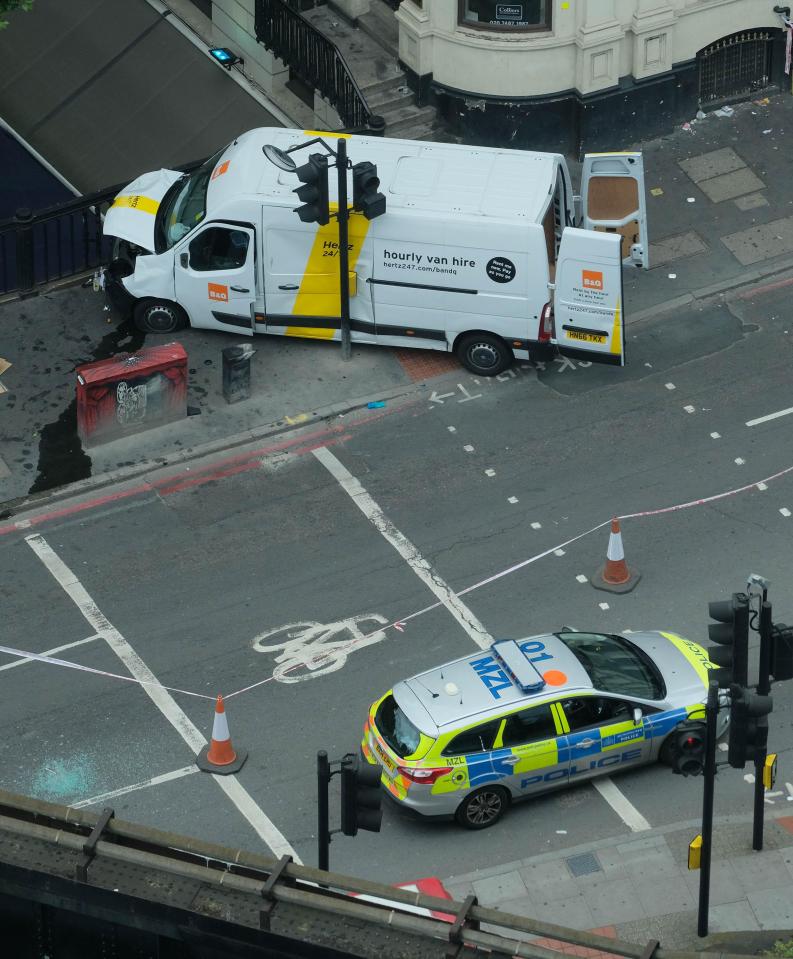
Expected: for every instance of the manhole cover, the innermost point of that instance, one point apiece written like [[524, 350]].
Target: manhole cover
[[584, 864]]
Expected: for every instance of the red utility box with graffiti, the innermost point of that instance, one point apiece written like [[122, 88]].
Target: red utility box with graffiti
[[131, 392]]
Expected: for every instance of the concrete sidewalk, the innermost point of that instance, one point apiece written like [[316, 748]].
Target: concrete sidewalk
[[639, 888]]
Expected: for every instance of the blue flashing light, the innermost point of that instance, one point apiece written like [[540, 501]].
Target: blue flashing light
[[224, 57]]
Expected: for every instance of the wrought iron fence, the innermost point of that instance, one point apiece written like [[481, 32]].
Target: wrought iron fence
[[42, 247], [315, 59], [735, 65]]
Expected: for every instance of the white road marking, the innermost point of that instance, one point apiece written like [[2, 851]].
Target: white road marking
[[723, 747], [490, 472], [670, 386], [512, 499], [689, 409], [466, 395], [439, 397], [739, 461], [405, 548], [50, 652], [748, 778], [236, 792], [762, 486], [581, 578], [789, 787], [468, 448], [604, 605], [715, 436], [621, 805], [536, 525], [785, 511], [771, 416], [558, 552], [154, 781], [452, 429]]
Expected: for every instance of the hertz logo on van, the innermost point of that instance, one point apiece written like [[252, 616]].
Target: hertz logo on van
[[592, 279]]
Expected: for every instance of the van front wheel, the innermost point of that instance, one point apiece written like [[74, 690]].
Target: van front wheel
[[484, 354], [159, 316]]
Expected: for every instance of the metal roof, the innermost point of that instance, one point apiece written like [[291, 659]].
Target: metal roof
[[430, 177], [474, 687]]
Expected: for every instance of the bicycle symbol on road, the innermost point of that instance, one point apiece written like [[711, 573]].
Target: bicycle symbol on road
[[310, 649]]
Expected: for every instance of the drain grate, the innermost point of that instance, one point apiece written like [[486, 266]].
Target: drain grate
[[584, 864]]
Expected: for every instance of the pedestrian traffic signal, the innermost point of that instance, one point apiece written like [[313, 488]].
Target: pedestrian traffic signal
[[731, 630], [688, 753], [361, 796], [748, 725], [314, 192], [365, 196], [781, 651]]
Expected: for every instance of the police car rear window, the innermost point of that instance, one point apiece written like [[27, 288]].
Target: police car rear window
[[396, 729], [615, 665]]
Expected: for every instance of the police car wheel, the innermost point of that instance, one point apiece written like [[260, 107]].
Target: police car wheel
[[484, 354], [159, 316], [482, 808]]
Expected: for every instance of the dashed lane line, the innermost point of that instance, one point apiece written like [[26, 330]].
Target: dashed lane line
[[236, 792]]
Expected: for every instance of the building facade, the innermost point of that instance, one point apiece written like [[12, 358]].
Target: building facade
[[553, 74]]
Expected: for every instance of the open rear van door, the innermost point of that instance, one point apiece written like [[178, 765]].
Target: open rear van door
[[613, 201], [587, 300]]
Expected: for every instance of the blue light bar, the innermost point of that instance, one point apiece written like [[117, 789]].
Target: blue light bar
[[526, 674]]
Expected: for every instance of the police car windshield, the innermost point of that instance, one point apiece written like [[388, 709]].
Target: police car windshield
[[615, 665], [396, 729], [183, 206]]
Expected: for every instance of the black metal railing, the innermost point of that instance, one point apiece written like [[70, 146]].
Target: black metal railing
[[43, 247], [315, 59]]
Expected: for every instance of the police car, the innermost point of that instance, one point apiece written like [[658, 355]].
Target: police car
[[467, 738]]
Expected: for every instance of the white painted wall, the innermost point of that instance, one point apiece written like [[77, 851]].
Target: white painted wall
[[591, 45]]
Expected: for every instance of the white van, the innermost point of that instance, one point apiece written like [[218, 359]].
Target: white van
[[483, 252]]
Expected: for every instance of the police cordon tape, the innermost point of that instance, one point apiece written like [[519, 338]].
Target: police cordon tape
[[399, 624]]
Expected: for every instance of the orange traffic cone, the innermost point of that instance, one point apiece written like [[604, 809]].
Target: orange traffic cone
[[220, 756], [615, 577]]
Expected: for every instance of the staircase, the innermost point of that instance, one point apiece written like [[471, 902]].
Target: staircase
[[370, 48]]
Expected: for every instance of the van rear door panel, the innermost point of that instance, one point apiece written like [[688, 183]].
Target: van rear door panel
[[613, 201], [587, 304]]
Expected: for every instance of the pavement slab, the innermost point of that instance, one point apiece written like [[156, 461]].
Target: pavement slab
[[761, 242], [729, 185], [714, 163]]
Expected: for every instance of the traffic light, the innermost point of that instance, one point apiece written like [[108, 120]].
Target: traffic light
[[688, 755], [365, 197], [781, 651], [748, 725], [731, 629], [361, 796], [314, 192]]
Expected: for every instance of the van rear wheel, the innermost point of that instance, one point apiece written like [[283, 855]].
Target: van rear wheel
[[482, 808], [159, 316], [484, 354]]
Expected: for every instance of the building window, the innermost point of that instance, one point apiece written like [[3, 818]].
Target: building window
[[494, 15]]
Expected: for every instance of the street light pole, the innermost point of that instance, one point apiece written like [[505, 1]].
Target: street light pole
[[343, 217]]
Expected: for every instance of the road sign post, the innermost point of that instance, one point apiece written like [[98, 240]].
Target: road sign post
[[711, 714], [763, 688]]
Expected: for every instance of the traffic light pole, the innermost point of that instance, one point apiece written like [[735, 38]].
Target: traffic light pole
[[323, 827], [711, 714], [763, 688], [343, 217]]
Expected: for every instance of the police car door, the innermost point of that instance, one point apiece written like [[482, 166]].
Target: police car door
[[539, 753], [604, 735], [214, 276]]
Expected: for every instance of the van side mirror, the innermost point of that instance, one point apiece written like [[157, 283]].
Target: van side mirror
[[637, 716]]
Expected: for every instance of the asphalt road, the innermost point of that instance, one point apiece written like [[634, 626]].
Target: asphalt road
[[205, 577]]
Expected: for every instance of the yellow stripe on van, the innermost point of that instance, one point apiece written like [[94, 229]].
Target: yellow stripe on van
[[327, 133], [143, 203], [319, 288], [616, 332]]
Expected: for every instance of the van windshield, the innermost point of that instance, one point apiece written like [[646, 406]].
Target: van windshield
[[183, 206], [396, 729]]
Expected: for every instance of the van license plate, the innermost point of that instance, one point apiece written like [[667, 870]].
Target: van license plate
[[586, 337]]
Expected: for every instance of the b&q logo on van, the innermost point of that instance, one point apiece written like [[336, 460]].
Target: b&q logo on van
[[592, 279], [220, 170], [218, 292]]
